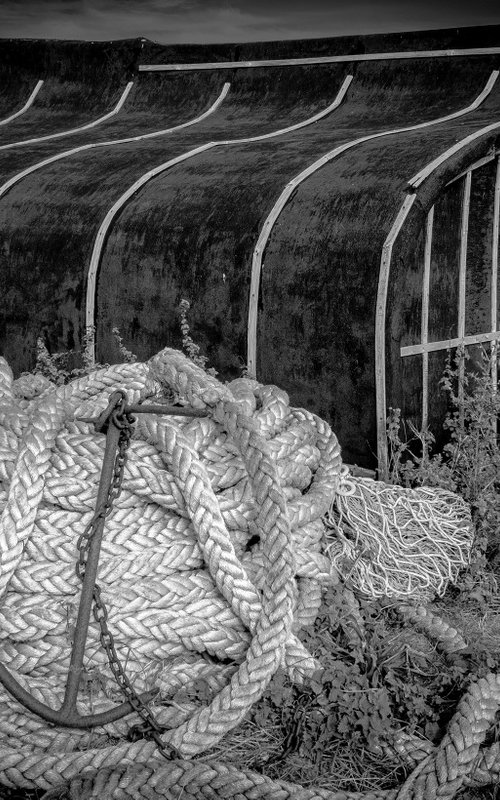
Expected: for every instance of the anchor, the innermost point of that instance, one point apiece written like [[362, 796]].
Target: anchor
[[116, 417]]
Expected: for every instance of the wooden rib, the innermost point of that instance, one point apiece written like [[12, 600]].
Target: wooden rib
[[433, 165], [494, 277], [425, 317], [380, 315], [294, 62], [118, 205], [289, 189], [462, 271], [106, 224], [92, 145], [477, 164], [449, 344], [27, 104], [462, 278], [98, 121]]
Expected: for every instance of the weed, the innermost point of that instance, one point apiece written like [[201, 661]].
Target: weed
[[127, 355], [55, 366], [469, 462], [52, 367], [376, 675], [192, 350]]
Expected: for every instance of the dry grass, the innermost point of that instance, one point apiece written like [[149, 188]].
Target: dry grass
[[477, 619], [340, 767]]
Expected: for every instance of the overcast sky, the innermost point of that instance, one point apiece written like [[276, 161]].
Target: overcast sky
[[204, 21]]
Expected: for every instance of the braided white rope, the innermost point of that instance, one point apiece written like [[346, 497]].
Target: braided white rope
[[210, 561]]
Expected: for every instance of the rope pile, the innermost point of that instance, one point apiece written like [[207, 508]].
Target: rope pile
[[396, 542], [211, 562]]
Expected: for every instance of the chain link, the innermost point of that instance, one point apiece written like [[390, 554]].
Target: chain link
[[150, 728]]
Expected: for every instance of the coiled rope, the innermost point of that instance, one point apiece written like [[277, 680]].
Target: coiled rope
[[210, 564], [210, 558]]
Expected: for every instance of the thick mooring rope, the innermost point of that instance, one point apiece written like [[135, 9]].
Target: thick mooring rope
[[210, 564]]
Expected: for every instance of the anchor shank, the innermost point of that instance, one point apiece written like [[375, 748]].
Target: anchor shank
[[89, 579]]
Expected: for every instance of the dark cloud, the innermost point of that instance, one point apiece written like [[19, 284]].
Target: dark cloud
[[174, 21]]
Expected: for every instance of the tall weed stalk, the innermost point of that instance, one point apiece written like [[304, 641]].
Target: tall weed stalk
[[469, 462]]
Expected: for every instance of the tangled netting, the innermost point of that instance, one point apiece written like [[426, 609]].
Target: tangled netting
[[210, 564], [397, 542]]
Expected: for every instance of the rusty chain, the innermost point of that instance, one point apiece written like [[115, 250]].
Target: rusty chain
[[150, 728]]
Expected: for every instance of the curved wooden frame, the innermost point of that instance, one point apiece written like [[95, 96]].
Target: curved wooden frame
[[92, 145], [28, 103], [98, 121]]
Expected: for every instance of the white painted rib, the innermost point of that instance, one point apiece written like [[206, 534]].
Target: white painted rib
[[4, 188], [300, 62], [494, 276], [89, 125], [118, 205], [27, 104], [462, 269], [424, 173], [424, 334], [476, 165], [449, 344], [302, 176], [108, 219], [462, 281], [380, 314]]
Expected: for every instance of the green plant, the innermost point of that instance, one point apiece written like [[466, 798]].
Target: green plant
[[191, 349], [127, 355], [51, 366], [377, 675], [55, 366], [326, 724], [471, 458], [468, 464]]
